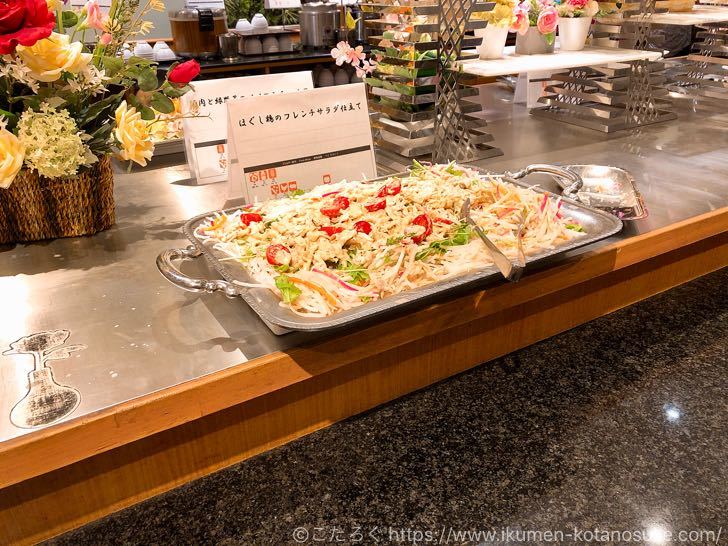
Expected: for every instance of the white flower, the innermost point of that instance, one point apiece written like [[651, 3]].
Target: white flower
[[54, 146], [14, 68], [90, 80]]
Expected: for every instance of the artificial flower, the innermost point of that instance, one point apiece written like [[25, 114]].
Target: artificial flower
[[520, 23], [184, 73], [54, 146], [501, 15], [95, 18], [54, 5], [132, 132], [547, 20], [591, 8], [12, 152], [24, 22], [52, 56]]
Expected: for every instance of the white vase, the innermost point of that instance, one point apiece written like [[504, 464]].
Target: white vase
[[573, 32], [494, 40]]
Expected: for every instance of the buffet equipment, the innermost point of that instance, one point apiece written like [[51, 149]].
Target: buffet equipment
[[195, 31], [610, 189], [597, 224], [319, 22], [420, 105], [228, 47], [511, 271]]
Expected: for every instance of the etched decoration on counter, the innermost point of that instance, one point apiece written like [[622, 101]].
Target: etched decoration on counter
[[46, 401]]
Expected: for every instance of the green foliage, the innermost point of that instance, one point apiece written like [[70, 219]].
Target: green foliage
[[246, 9], [289, 291], [161, 103], [460, 237], [69, 18]]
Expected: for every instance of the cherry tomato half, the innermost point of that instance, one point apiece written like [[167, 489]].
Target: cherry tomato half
[[424, 221], [393, 188], [331, 230], [341, 202], [377, 205], [248, 218], [278, 255], [335, 206], [363, 227]]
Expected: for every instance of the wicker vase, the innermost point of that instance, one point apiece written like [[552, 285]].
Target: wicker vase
[[35, 208]]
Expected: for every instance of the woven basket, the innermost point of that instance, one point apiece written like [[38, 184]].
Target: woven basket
[[35, 208]]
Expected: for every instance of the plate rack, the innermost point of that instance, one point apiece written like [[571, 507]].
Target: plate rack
[[618, 96], [421, 108], [705, 76]]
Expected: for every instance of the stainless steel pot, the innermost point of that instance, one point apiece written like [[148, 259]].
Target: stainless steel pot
[[319, 21]]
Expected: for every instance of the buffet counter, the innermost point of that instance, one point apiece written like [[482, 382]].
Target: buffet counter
[[175, 385], [274, 62]]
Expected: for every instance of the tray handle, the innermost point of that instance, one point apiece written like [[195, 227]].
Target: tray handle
[[179, 279], [561, 172]]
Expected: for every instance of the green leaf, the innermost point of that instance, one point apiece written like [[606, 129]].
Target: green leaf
[[162, 104], [296, 193], [452, 170], [69, 18], [175, 92], [148, 114], [12, 119], [357, 275], [460, 237], [112, 65], [289, 291], [575, 227], [394, 240], [147, 79]]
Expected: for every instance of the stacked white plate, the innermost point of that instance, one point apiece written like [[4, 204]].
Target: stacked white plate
[[162, 52], [144, 50], [270, 44]]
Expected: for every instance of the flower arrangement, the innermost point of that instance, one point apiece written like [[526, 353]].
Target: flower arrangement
[[577, 8], [63, 106], [355, 56], [541, 14], [503, 14]]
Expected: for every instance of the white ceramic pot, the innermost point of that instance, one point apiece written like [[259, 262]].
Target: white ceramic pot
[[573, 32], [494, 40], [533, 43]]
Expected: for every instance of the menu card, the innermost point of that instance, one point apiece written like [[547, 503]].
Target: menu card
[[206, 145], [285, 143]]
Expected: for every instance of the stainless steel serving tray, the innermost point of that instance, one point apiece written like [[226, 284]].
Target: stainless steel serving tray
[[597, 224]]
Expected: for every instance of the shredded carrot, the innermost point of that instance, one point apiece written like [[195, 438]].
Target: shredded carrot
[[328, 297], [216, 223]]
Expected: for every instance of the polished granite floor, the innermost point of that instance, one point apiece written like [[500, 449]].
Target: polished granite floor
[[618, 426]]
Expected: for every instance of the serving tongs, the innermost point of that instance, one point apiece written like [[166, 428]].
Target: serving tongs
[[511, 270]]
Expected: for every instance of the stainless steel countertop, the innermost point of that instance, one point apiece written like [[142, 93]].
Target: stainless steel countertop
[[142, 334]]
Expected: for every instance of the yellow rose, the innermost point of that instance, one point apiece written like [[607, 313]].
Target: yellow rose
[[132, 132], [53, 5], [502, 15], [53, 55], [12, 152]]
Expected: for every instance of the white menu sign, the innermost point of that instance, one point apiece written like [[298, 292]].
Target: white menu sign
[[296, 141], [206, 135]]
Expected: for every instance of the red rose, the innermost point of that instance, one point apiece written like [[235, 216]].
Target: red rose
[[24, 22], [183, 73]]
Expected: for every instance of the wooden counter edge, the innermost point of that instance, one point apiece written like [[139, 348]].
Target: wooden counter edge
[[26, 457]]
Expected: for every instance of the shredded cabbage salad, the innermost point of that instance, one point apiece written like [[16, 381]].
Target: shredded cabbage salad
[[345, 244]]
